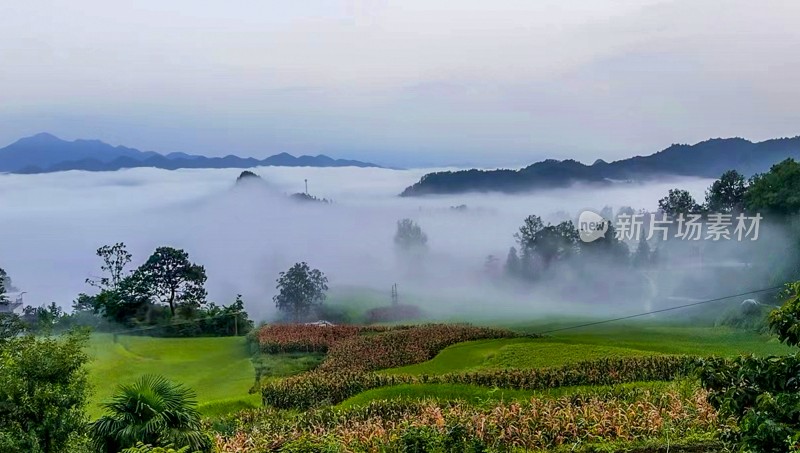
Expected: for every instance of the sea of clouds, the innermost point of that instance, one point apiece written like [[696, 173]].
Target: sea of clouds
[[51, 224]]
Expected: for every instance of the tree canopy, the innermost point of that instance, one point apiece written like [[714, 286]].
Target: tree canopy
[[726, 194], [777, 191], [409, 235], [168, 277], [299, 290], [44, 392], [678, 201]]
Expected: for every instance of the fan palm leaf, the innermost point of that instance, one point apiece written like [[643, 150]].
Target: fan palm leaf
[[153, 411]]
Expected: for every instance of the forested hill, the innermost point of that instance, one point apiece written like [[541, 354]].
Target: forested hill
[[46, 153], [705, 159]]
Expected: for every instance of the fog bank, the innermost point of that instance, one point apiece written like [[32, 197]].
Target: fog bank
[[245, 235]]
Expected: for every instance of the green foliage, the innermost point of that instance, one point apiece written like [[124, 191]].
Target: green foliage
[[785, 321], [43, 393], [165, 292], [11, 325], [777, 191], [299, 289], [763, 394], [3, 285], [548, 242], [678, 202], [154, 411], [168, 277], [726, 195], [409, 236], [115, 259], [749, 316], [142, 448]]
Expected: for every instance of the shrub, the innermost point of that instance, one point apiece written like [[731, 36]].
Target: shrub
[[154, 411], [763, 394], [43, 392], [745, 316], [142, 448]]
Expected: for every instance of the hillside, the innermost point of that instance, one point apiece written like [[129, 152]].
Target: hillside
[[705, 159], [46, 153]]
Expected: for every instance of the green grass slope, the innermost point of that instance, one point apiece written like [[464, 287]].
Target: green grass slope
[[218, 369], [594, 343]]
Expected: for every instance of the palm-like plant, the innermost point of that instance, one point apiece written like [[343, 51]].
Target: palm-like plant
[[153, 411]]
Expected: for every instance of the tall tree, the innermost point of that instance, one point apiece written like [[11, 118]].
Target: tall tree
[[409, 235], [115, 259], [678, 202], [300, 289], [512, 267], [777, 191], [168, 277], [550, 242], [726, 195], [642, 256], [3, 279]]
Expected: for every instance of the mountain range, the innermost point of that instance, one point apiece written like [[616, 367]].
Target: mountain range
[[46, 153], [707, 159]]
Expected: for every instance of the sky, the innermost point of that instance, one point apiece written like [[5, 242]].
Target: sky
[[412, 83]]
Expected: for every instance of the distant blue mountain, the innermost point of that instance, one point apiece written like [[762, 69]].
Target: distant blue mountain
[[46, 153]]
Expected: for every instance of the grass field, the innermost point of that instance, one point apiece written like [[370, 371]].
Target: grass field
[[218, 369], [513, 353], [594, 343]]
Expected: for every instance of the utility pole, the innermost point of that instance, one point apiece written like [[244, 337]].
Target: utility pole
[[395, 297], [306, 186]]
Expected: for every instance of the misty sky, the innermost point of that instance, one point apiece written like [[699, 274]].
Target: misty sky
[[413, 83]]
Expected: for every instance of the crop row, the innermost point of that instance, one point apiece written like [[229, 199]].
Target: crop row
[[652, 414], [277, 338], [322, 387], [400, 347]]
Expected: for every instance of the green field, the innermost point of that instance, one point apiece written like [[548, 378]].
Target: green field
[[218, 369], [221, 371], [594, 343]]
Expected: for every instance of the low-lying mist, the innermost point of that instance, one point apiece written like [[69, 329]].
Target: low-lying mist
[[246, 234]]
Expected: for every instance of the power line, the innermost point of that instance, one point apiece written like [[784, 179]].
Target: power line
[[677, 307]]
